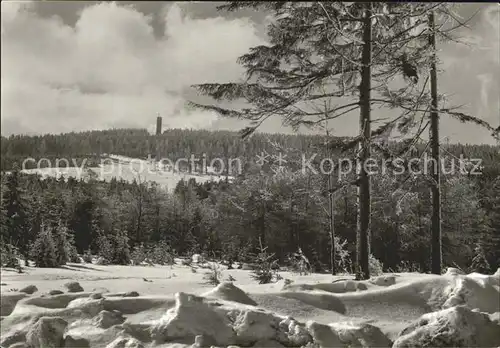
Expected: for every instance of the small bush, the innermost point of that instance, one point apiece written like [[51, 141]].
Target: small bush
[[407, 266], [87, 256], [479, 262], [138, 255], [105, 248], [158, 253], [73, 257], [298, 263], [214, 275], [121, 250], [161, 254], [342, 256], [71, 249], [266, 266], [9, 256], [187, 262], [113, 248], [375, 266]]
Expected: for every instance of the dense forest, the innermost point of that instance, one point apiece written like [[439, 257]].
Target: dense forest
[[285, 211], [182, 143]]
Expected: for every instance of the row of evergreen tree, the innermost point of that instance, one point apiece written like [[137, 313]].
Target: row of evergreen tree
[[91, 146], [52, 220]]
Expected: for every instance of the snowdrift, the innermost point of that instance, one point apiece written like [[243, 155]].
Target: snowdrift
[[406, 310]]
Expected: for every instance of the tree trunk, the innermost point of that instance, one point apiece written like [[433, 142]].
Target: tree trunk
[[436, 248], [331, 208], [332, 226], [364, 204]]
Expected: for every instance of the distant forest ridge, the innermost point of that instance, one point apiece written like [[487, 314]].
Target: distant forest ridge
[[182, 143]]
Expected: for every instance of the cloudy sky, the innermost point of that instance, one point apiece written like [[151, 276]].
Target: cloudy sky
[[71, 66]]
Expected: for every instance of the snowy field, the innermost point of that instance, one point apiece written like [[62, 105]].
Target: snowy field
[[172, 307], [128, 169]]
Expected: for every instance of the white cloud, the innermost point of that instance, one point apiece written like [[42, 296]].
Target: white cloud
[[110, 70]]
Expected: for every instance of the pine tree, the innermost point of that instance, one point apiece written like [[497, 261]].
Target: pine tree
[[479, 262], [121, 249], [63, 243], [318, 51], [16, 223], [44, 252]]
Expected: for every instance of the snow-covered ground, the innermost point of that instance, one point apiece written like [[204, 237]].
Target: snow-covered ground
[[128, 169], [400, 310]]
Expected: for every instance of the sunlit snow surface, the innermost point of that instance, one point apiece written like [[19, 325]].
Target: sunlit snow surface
[[128, 169]]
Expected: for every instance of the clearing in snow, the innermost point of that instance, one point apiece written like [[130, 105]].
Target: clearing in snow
[[130, 169]]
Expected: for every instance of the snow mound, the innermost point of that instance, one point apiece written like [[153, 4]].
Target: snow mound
[[105, 319], [73, 287], [336, 287], [30, 289], [9, 302], [125, 342], [319, 300], [453, 327], [190, 317], [383, 280], [475, 290], [348, 335], [435, 309], [229, 292], [452, 271], [47, 332], [204, 322]]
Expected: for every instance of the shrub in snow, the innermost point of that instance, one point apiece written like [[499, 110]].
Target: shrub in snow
[[161, 254], [120, 249], [479, 262], [375, 266], [104, 249], [265, 266], [186, 261], [342, 256], [101, 261], [87, 256], [214, 275], [157, 253], [114, 248], [299, 263], [9, 256], [407, 266], [138, 254]]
